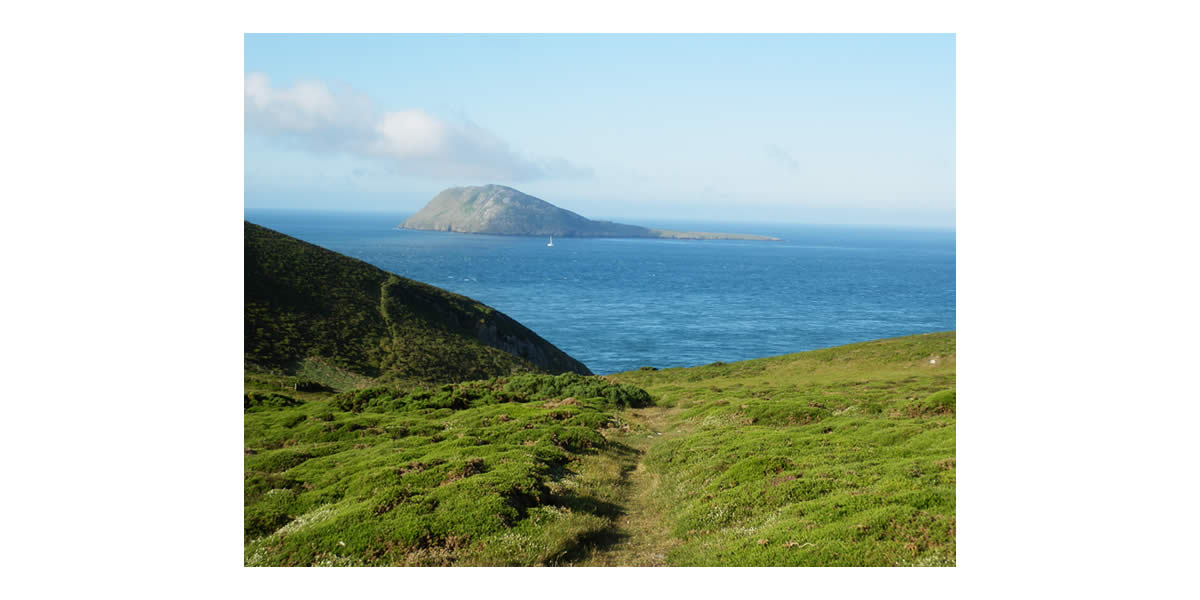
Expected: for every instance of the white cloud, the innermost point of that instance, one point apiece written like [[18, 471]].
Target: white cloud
[[410, 134], [410, 142]]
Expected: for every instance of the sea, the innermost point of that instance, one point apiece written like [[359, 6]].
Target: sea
[[621, 304]]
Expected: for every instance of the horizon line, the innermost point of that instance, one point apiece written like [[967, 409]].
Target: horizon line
[[624, 219]]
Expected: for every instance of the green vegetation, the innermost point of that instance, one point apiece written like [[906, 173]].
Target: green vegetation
[[508, 471], [340, 322], [843, 456]]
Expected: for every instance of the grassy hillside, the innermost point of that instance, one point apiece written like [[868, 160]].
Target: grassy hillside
[[482, 473], [844, 456], [317, 314]]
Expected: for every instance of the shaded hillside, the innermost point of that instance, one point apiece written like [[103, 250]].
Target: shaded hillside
[[500, 210], [304, 303]]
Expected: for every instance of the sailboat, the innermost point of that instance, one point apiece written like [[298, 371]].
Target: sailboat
[[551, 241]]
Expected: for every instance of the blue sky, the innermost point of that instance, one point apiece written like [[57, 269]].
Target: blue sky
[[830, 128]]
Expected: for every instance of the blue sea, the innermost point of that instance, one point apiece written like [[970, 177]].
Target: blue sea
[[619, 304]]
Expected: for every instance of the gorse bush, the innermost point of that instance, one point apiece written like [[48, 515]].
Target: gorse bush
[[520, 388], [536, 387], [939, 403], [307, 385], [358, 400], [256, 400]]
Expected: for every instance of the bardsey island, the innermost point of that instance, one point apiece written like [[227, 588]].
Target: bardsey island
[[501, 210]]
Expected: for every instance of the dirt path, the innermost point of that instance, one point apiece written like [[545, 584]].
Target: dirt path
[[640, 536]]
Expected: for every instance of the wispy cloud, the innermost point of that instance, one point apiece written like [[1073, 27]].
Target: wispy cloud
[[411, 142], [782, 156]]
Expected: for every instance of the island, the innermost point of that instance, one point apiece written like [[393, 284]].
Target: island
[[501, 210]]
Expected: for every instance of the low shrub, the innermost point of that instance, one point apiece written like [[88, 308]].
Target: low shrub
[[520, 388], [307, 385], [939, 403], [257, 400]]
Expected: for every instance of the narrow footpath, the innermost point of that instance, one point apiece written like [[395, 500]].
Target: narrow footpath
[[641, 536]]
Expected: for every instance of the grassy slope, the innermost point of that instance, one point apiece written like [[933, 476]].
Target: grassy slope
[[325, 316], [843, 456], [500, 472]]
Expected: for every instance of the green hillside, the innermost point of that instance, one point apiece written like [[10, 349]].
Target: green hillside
[[843, 456], [485, 472], [325, 317], [836, 457]]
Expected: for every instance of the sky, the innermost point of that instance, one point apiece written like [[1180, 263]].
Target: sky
[[818, 128]]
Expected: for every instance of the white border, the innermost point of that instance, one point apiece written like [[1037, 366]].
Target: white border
[[1076, 156]]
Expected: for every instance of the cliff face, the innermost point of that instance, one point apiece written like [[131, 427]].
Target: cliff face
[[500, 210]]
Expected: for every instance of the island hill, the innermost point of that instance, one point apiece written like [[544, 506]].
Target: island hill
[[500, 210]]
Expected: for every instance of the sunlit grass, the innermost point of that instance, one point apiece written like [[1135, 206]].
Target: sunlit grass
[[843, 456]]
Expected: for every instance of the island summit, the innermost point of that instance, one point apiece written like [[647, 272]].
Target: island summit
[[500, 210]]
